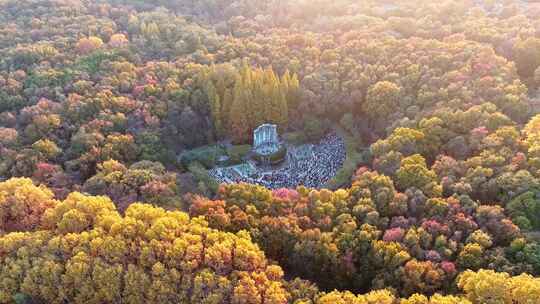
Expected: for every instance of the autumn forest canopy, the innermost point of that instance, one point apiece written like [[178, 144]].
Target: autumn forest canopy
[[114, 112]]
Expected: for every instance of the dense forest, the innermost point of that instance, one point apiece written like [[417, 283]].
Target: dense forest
[[111, 112]]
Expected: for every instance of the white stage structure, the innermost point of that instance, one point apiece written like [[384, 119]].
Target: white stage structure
[[265, 139]]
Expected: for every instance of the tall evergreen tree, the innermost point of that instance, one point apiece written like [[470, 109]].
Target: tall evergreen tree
[[283, 108], [226, 107], [215, 109], [258, 96], [238, 115], [292, 89]]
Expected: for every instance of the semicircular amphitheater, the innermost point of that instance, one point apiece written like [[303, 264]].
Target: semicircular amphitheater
[[275, 163]]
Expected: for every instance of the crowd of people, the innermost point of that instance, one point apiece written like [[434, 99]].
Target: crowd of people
[[234, 174], [310, 165]]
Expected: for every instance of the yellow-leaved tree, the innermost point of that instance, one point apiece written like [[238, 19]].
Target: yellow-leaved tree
[[84, 251]]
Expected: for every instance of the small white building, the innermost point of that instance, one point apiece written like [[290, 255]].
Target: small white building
[[265, 139]]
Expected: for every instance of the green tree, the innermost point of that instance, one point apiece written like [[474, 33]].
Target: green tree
[[238, 116], [382, 100], [527, 56], [413, 172]]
